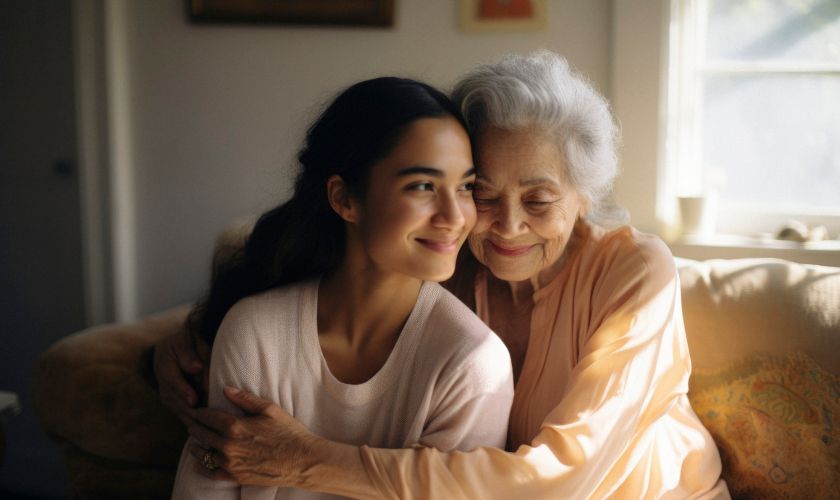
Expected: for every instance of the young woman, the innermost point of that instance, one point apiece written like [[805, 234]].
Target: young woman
[[331, 310]]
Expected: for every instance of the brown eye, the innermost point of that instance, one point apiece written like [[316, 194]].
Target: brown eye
[[421, 186]]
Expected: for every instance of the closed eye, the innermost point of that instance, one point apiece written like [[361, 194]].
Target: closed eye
[[538, 206], [484, 202]]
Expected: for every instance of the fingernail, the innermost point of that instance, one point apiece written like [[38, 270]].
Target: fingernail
[[233, 390]]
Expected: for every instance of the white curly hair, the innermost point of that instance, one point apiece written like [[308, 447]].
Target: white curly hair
[[541, 91]]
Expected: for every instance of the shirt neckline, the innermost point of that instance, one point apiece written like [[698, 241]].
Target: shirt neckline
[[405, 347]]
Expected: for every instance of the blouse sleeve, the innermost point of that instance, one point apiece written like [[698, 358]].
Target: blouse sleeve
[[633, 364], [475, 403], [233, 363]]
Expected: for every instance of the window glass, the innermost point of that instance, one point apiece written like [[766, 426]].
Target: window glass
[[754, 109], [773, 30], [774, 139]]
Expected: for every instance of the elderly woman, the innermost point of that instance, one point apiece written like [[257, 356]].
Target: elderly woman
[[588, 308]]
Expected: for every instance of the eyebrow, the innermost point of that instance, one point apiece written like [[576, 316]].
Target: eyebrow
[[536, 181], [434, 172]]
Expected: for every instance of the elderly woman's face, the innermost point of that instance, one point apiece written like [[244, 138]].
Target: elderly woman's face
[[526, 205]]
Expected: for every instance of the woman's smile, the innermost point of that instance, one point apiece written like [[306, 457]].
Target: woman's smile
[[509, 250], [446, 245]]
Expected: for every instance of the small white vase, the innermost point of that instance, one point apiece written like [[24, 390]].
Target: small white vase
[[698, 214]]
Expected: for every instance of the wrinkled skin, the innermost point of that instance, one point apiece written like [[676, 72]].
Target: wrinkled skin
[[264, 447]]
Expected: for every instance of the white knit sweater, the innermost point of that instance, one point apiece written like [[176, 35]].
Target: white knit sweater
[[447, 383]]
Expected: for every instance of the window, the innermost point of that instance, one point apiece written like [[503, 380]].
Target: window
[[754, 110]]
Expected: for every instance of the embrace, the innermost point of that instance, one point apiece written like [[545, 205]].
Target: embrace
[[357, 347]]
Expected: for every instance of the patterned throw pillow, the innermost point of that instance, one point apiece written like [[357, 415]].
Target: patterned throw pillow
[[776, 421]]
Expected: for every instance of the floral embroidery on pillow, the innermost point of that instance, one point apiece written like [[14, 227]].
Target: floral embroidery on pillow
[[776, 421]]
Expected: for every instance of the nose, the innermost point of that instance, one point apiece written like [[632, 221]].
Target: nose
[[450, 214], [508, 220]]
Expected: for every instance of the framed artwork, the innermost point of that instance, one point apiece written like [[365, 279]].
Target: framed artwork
[[378, 13], [503, 16]]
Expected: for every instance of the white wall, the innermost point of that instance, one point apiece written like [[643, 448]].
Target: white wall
[[212, 115], [639, 58]]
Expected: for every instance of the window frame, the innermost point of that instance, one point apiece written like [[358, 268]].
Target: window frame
[[686, 69]]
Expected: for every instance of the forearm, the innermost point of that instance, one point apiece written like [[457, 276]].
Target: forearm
[[337, 468]]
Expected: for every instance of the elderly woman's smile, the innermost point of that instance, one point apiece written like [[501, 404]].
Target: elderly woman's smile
[[509, 251], [527, 206]]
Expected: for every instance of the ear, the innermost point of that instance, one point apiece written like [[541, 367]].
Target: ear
[[585, 205], [341, 200]]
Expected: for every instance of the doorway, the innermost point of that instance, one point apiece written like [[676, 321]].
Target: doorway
[[41, 262]]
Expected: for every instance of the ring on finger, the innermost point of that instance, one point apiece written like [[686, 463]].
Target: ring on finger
[[208, 462]]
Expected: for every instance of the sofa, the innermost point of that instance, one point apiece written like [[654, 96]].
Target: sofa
[[764, 337]]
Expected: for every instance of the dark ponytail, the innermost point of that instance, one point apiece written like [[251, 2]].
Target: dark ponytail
[[303, 237]]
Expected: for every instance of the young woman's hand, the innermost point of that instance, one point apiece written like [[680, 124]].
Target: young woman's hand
[[181, 370]]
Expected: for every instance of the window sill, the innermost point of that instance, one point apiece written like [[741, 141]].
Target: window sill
[[725, 246]]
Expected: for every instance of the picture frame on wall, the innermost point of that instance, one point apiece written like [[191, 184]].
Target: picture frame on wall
[[370, 13], [503, 16]]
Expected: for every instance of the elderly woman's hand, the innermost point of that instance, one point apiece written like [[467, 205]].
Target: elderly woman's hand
[[181, 369], [265, 447]]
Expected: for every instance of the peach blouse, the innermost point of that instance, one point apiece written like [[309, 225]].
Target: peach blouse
[[600, 408]]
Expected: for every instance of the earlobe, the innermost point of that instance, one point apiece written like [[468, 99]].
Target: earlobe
[[584, 208], [341, 200]]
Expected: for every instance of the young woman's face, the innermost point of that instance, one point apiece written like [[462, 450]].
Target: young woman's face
[[419, 207]]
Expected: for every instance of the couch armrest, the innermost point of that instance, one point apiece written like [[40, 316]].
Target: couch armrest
[[95, 390]]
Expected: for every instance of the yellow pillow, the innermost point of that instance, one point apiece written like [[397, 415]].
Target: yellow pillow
[[776, 421]]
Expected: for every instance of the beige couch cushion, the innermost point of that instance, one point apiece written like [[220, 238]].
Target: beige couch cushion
[[764, 336], [738, 307]]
